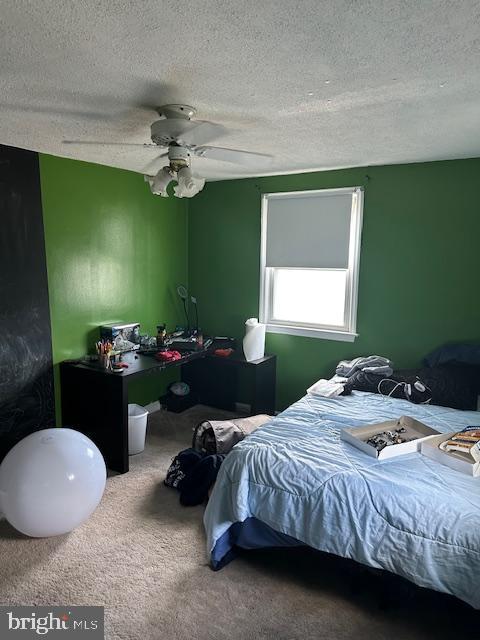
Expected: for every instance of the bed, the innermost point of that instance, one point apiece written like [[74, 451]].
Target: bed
[[295, 482]]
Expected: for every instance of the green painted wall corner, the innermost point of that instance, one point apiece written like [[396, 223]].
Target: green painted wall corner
[[114, 253], [418, 267]]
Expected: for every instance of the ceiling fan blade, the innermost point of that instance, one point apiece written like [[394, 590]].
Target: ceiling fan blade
[[185, 132], [50, 112], [235, 156], [151, 166], [145, 145], [203, 131]]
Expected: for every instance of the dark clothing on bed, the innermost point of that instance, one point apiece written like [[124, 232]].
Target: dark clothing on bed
[[453, 385], [467, 354]]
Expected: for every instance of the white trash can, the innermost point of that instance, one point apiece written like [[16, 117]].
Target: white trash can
[[137, 428]]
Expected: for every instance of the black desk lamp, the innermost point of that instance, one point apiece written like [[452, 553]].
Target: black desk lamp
[[183, 294], [194, 302]]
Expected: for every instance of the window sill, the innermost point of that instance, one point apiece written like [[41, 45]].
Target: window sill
[[306, 332]]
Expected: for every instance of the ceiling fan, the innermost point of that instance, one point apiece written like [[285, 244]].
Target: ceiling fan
[[183, 139]]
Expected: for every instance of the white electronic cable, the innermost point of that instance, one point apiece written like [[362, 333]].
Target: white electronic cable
[[389, 395], [407, 389]]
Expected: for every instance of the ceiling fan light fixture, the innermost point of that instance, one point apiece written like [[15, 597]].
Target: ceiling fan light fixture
[[159, 183], [184, 139], [189, 184]]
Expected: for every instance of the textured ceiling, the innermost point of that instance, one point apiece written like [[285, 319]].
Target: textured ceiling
[[316, 84]]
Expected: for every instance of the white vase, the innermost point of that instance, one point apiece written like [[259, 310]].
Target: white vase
[[254, 340]]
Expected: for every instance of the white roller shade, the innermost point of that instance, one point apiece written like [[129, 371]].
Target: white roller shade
[[309, 230]]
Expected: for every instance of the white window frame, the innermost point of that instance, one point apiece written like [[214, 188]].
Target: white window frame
[[348, 332]]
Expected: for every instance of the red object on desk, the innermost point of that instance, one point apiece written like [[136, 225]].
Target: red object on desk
[[168, 356], [224, 353]]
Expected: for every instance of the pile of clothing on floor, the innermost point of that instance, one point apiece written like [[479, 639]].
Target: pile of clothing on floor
[[449, 377], [193, 471]]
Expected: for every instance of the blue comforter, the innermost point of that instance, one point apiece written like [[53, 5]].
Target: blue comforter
[[409, 515]]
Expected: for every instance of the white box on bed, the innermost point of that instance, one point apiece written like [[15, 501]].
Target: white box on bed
[[359, 435], [453, 459]]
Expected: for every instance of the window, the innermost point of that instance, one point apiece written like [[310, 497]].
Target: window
[[309, 262]]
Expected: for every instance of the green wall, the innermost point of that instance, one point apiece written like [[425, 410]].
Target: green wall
[[114, 253], [418, 275]]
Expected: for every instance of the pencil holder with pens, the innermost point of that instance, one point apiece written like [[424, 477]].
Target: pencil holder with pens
[[104, 351], [104, 360]]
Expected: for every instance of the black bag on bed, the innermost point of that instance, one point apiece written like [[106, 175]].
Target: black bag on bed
[[406, 387], [453, 385]]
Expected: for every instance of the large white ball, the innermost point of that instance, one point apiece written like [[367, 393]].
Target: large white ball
[[51, 482]]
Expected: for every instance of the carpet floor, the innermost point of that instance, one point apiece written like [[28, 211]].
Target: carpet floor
[[142, 556]]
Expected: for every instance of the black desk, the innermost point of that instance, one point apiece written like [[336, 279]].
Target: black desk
[[216, 380], [95, 401]]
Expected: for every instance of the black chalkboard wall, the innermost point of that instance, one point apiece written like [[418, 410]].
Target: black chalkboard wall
[[26, 375]]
